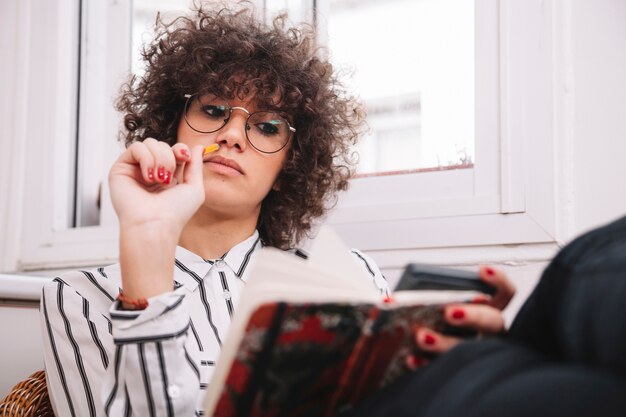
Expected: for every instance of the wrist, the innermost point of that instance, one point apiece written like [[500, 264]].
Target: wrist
[[147, 254], [128, 303], [164, 228]]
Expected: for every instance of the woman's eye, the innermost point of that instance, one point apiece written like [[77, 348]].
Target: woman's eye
[[214, 111], [268, 128]]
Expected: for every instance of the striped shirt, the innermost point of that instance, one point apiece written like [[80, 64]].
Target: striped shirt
[[101, 360]]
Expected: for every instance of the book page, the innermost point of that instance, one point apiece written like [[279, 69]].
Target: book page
[[328, 252], [433, 297]]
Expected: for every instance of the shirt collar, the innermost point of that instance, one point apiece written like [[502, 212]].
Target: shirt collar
[[239, 256], [190, 268]]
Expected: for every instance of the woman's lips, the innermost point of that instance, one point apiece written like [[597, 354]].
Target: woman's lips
[[225, 165]]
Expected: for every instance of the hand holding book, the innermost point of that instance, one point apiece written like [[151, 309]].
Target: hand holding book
[[483, 315]]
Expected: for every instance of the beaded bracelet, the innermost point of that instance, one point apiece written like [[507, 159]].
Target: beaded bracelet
[[134, 303]]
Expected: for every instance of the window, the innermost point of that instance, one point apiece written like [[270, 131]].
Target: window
[[94, 99], [71, 131], [144, 14], [499, 65], [422, 201], [413, 66]]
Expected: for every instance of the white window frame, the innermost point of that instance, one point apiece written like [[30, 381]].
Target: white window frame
[[502, 199], [47, 241], [499, 201]]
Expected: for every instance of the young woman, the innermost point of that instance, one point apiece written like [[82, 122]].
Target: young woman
[[142, 337]]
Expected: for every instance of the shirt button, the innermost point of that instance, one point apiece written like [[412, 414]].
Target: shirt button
[[173, 391], [220, 264], [227, 295]]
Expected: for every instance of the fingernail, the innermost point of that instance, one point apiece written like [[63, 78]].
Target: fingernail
[[458, 314], [388, 300], [413, 362], [489, 271], [168, 177], [184, 152], [150, 174], [480, 300], [429, 339], [161, 173]]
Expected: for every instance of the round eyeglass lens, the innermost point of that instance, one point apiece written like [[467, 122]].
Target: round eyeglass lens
[[205, 115], [267, 131]]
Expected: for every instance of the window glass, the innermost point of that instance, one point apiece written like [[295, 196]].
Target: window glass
[[85, 208], [412, 63], [144, 16], [298, 10]]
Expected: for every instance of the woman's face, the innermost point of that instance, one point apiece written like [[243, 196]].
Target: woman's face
[[237, 177]]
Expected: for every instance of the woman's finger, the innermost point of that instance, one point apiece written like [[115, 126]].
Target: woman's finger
[[505, 290], [430, 341], [164, 161], [414, 362], [182, 154], [480, 317], [192, 173], [138, 154]]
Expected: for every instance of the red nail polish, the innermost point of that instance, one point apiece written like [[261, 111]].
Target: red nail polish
[[184, 152], [458, 314], [388, 300], [418, 361], [168, 177], [413, 362], [429, 339], [150, 174], [161, 173], [490, 271]]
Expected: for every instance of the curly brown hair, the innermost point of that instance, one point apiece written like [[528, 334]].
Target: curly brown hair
[[229, 53]]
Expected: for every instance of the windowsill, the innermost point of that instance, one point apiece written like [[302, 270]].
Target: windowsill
[[21, 288], [415, 170]]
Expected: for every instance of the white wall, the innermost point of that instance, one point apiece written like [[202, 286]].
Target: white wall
[[21, 345], [20, 329], [11, 157], [600, 111]]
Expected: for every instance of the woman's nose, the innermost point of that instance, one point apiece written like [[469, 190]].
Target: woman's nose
[[233, 134]]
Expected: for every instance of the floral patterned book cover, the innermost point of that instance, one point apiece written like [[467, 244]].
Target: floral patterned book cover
[[315, 359]]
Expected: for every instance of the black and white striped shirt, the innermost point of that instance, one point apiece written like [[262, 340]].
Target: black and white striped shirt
[[156, 362]]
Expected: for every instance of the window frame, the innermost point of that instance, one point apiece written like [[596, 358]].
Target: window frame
[[501, 200], [47, 240]]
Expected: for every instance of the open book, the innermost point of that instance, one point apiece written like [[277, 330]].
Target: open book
[[314, 337]]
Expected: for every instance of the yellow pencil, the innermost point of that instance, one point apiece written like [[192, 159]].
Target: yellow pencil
[[210, 149]]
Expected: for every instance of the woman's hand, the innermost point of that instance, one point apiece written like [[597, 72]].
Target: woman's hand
[[155, 190], [153, 182], [484, 316]]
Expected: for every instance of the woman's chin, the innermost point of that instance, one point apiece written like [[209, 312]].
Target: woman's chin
[[227, 201]]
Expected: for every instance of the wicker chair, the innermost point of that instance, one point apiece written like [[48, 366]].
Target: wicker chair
[[28, 398]]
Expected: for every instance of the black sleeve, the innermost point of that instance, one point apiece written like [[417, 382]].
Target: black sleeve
[[577, 311]]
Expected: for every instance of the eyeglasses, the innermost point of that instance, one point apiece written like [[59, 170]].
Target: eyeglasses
[[266, 131]]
